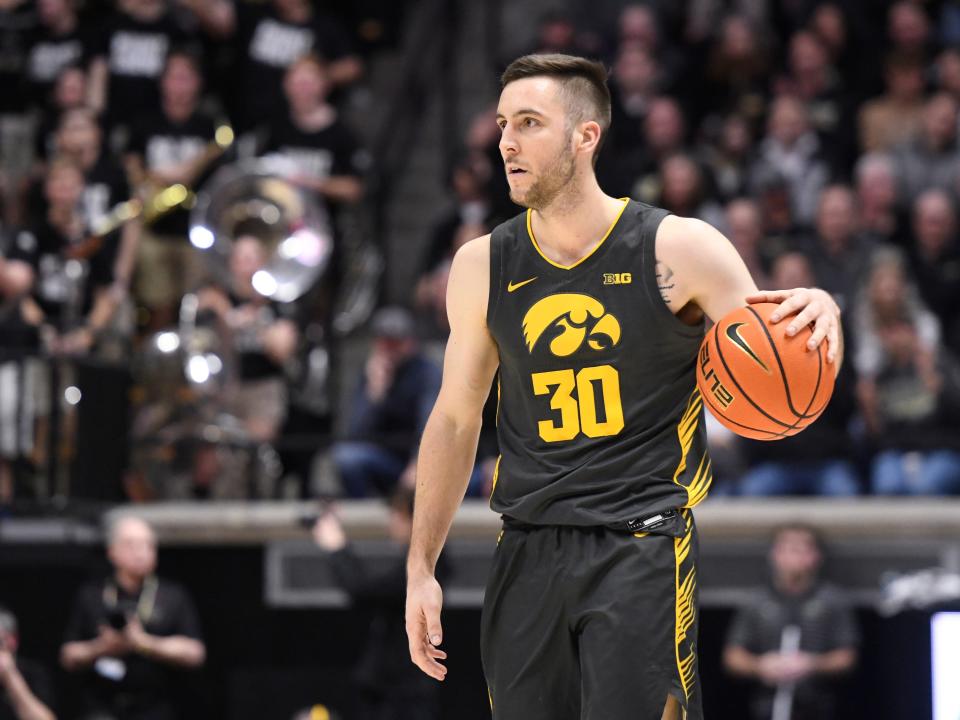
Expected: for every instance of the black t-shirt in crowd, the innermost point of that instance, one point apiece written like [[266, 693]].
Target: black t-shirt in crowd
[[20, 338], [255, 364], [37, 679], [48, 54], [45, 134], [136, 53], [320, 153], [44, 248], [266, 46], [15, 25], [132, 687], [161, 142], [106, 186]]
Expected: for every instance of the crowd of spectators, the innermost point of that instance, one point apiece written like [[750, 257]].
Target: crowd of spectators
[[107, 102], [821, 137]]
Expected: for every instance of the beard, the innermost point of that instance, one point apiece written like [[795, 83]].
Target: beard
[[552, 181]]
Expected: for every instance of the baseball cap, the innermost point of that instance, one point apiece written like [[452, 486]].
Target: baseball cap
[[393, 322]]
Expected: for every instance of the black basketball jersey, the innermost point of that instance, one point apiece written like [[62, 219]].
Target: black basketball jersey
[[599, 418]]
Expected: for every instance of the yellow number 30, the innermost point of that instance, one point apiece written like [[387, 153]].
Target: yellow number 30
[[580, 413]]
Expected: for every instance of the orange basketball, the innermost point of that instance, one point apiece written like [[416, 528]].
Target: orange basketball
[[757, 381]]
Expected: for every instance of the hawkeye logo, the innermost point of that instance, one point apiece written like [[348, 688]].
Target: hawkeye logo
[[733, 333], [572, 319]]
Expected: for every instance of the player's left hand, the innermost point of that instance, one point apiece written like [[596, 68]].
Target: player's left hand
[[424, 632], [812, 306]]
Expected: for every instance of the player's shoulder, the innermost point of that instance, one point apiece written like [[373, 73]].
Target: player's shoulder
[[474, 253], [469, 280], [470, 269], [678, 234], [690, 245]]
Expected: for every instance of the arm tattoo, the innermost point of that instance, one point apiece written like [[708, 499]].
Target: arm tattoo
[[664, 281]]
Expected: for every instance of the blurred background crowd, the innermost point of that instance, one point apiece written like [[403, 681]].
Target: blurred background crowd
[[820, 137], [143, 360]]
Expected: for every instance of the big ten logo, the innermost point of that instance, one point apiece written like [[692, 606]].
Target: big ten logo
[[617, 278], [723, 396]]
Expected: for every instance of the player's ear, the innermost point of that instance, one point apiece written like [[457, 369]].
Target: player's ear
[[589, 135]]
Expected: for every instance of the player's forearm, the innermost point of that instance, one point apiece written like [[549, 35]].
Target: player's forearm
[[443, 470]]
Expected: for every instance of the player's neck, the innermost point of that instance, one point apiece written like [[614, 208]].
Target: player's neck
[[575, 222]]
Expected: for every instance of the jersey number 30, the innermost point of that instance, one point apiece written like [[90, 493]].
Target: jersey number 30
[[580, 413]]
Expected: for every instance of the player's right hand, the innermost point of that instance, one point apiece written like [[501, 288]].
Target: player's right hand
[[424, 633]]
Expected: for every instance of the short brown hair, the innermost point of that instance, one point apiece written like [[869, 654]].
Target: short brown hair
[[583, 85]]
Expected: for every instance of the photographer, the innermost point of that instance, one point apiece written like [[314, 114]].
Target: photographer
[[129, 633], [24, 686], [797, 638]]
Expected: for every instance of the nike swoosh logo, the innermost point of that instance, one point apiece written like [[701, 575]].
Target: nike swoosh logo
[[733, 332], [514, 286]]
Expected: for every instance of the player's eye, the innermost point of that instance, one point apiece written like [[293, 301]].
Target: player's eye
[[529, 122]]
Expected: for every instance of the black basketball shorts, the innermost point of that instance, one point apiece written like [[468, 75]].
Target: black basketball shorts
[[592, 623]]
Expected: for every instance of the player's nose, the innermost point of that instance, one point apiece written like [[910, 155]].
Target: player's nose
[[508, 144]]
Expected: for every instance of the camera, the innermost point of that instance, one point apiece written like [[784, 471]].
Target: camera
[[116, 619]]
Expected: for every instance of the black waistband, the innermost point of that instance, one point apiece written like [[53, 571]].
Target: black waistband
[[661, 520]]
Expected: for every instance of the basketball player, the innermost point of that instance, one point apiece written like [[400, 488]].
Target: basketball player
[[593, 308]]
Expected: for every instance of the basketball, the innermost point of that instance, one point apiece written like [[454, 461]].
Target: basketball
[[757, 381]]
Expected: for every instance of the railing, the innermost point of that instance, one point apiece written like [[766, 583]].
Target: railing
[[428, 67]]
